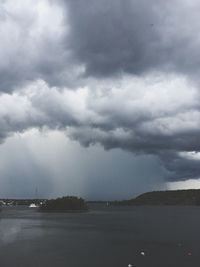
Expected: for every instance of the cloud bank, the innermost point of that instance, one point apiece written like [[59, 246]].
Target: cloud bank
[[137, 115]]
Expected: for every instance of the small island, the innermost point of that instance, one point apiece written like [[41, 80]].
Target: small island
[[64, 204], [190, 197]]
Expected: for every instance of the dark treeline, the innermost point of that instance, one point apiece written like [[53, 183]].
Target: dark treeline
[[72, 203], [69, 203]]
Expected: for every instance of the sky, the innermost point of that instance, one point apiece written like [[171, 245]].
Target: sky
[[99, 98]]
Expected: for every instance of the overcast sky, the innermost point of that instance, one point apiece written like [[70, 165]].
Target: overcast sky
[[99, 98]]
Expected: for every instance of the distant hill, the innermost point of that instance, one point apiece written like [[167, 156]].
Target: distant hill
[[176, 197]]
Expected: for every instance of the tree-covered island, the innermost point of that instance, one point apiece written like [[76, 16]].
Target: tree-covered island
[[64, 204]]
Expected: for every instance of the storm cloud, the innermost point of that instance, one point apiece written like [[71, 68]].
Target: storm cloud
[[136, 115], [122, 74], [113, 37], [62, 42]]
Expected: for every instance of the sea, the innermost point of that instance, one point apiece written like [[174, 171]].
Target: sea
[[161, 236]]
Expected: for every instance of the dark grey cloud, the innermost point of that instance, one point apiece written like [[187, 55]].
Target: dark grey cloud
[[181, 166], [167, 149], [59, 41], [116, 36]]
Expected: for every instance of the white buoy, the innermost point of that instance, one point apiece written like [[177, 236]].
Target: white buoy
[[130, 265], [142, 253]]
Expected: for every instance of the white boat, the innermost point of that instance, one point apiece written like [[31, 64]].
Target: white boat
[[33, 205]]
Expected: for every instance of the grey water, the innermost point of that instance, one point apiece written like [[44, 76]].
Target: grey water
[[104, 236]]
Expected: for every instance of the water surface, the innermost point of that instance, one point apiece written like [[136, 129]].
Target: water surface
[[105, 236]]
